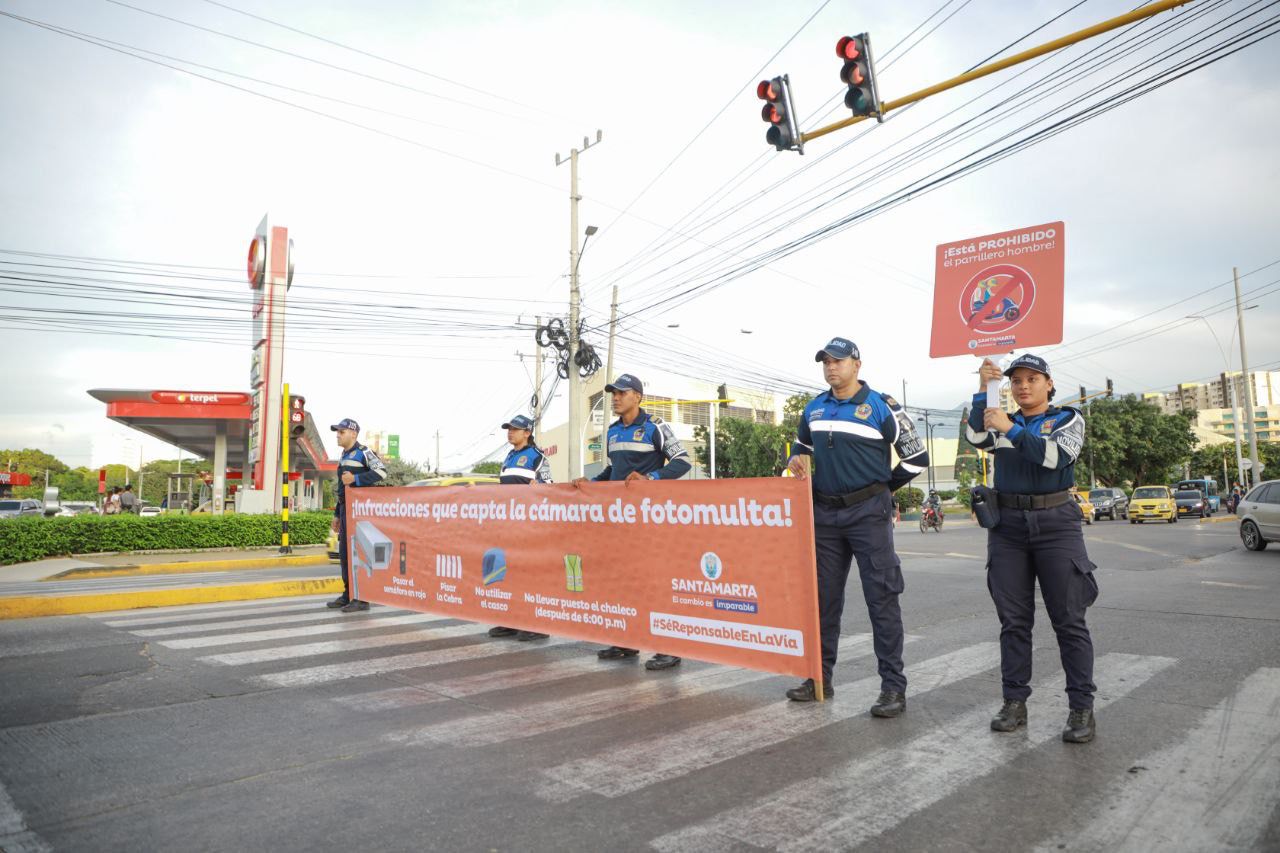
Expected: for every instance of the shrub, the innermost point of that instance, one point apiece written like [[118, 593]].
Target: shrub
[[31, 538]]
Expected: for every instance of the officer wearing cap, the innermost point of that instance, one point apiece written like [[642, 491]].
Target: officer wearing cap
[[358, 466], [640, 446], [849, 431], [525, 465], [1037, 538]]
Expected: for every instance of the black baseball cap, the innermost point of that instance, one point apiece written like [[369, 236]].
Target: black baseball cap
[[1034, 362], [625, 382], [519, 422], [345, 423], [839, 348]]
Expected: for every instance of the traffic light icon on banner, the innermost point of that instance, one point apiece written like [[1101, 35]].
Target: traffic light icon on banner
[[859, 74], [783, 133]]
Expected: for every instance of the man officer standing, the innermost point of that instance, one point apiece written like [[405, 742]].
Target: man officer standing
[[525, 465], [849, 431], [359, 466], [1037, 538], [640, 446]]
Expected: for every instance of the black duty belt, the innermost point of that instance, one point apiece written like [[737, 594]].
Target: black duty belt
[[851, 498], [1033, 501]]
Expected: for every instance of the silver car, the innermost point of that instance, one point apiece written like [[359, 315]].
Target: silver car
[[1259, 513], [14, 507]]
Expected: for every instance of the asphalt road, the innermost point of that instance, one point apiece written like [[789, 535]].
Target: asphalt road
[[281, 725]]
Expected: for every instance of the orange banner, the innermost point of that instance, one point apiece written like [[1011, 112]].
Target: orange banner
[[716, 570]]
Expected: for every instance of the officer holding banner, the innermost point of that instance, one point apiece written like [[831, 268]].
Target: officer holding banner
[[848, 431], [359, 466], [640, 446], [525, 465], [1035, 536]]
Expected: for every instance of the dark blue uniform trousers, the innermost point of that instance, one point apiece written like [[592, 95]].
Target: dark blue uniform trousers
[[1047, 546], [862, 532], [344, 558]]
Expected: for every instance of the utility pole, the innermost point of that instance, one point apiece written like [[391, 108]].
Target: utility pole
[[1256, 468], [904, 393], [538, 403], [437, 451], [613, 333], [575, 383]]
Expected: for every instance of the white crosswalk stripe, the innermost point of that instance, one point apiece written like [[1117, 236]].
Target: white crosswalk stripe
[[553, 715], [327, 647], [909, 778], [1214, 790], [207, 613], [651, 761], [397, 663], [257, 603], [337, 626], [259, 622]]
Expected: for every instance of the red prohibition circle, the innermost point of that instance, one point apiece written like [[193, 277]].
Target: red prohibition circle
[[997, 298]]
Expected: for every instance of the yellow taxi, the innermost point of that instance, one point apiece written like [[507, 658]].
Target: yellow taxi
[[1086, 507], [331, 544], [1152, 503]]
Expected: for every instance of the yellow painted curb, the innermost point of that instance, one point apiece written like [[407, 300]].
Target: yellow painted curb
[[62, 605], [1226, 520], [266, 562]]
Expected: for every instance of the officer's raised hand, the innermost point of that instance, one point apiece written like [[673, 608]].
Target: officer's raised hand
[[988, 371], [996, 419], [578, 481], [348, 478], [634, 475], [333, 525], [799, 467]]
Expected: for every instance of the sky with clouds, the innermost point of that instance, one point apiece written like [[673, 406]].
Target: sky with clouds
[[417, 177]]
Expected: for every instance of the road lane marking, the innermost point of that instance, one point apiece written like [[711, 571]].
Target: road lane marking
[[909, 778], [334, 627], [629, 768], [262, 622], [1214, 790], [204, 612], [326, 647]]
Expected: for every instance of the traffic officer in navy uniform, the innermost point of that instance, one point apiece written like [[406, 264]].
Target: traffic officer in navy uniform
[[640, 446], [525, 465], [358, 466], [1038, 538], [849, 431]]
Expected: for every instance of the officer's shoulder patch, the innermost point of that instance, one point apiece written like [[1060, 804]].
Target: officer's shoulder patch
[[893, 404], [863, 411]]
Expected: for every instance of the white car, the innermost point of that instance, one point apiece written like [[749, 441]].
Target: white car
[[149, 510]]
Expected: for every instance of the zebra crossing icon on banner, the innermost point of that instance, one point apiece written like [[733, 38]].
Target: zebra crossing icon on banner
[[449, 566]]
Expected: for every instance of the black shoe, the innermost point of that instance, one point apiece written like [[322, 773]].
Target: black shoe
[[1080, 726], [355, 606], [340, 601], [661, 662], [616, 653], [890, 704], [526, 636], [499, 631], [805, 692], [1012, 715]]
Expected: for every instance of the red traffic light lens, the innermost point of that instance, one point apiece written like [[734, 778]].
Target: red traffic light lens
[[771, 114], [849, 48], [765, 92], [853, 74]]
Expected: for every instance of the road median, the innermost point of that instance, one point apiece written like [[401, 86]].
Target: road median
[[27, 607], [186, 566]]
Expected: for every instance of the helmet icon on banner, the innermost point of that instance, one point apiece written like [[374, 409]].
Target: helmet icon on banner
[[997, 298]]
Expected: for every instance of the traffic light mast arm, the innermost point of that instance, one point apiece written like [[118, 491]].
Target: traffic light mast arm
[[1007, 62]]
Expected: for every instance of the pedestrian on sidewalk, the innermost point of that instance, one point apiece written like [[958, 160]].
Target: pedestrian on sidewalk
[[358, 467], [128, 500]]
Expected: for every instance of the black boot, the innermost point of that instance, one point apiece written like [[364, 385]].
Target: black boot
[[1080, 726], [526, 636], [661, 662], [616, 653], [340, 601], [499, 631], [806, 693], [1012, 715], [890, 704]]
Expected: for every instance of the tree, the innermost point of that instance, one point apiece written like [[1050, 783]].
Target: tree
[[401, 472], [487, 468], [1130, 440], [909, 497], [744, 448], [34, 463]]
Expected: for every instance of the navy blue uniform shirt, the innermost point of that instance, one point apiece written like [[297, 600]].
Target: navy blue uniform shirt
[[364, 464], [850, 441], [646, 445], [522, 467], [1037, 456]]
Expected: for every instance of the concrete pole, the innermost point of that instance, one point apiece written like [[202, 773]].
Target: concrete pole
[[1256, 470], [437, 451], [219, 467], [537, 381], [711, 447], [575, 384], [613, 333]]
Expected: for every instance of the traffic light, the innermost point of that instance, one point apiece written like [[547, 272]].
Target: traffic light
[[1083, 394], [1111, 391], [783, 133], [859, 74]]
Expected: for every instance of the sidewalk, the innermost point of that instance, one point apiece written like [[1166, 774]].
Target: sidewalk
[[91, 584]]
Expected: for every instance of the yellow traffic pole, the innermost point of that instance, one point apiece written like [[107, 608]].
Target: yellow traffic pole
[[1007, 62], [284, 472]]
